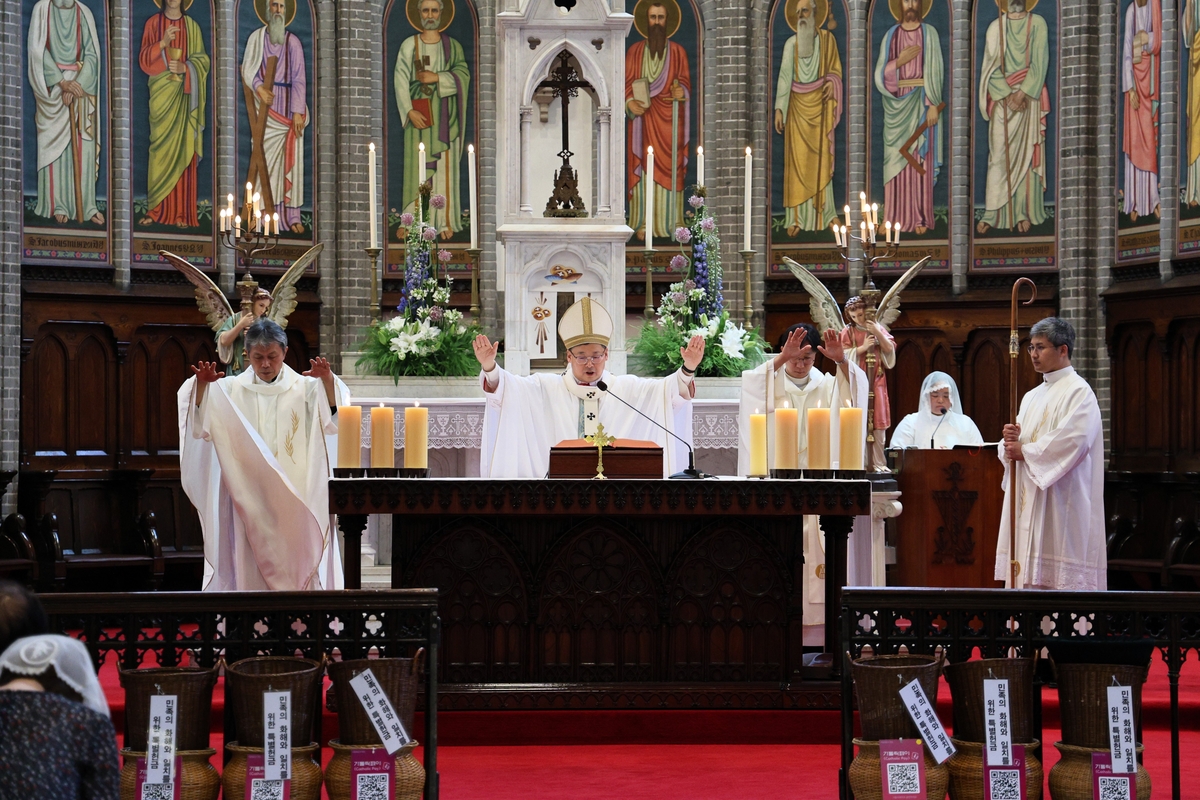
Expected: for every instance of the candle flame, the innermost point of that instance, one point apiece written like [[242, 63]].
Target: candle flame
[[257, 197], [381, 405], [785, 404], [275, 217], [421, 146], [416, 404], [862, 196], [748, 151], [470, 148], [699, 149], [231, 197], [371, 146], [249, 186], [650, 149]]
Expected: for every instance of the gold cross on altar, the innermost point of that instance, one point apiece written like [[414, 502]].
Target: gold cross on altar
[[599, 440]]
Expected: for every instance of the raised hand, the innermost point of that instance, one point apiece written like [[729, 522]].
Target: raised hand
[[318, 368], [795, 345], [206, 372], [833, 348], [693, 353], [485, 352]]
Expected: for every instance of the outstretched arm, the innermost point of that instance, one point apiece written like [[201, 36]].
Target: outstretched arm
[[485, 354], [319, 368], [206, 373]]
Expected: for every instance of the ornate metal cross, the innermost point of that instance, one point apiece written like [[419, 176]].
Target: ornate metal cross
[[564, 82], [599, 440]]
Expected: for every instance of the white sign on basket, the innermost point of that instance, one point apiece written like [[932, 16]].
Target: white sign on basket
[[997, 720], [1120, 730], [927, 722], [379, 708], [277, 736], [160, 741]]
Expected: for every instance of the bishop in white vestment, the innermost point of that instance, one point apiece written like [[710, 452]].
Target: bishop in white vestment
[[254, 461], [791, 381], [1057, 450], [527, 415]]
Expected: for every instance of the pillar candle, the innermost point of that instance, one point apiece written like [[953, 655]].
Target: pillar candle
[[383, 436], [648, 198], [699, 166], [349, 437], [758, 444], [818, 438], [421, 171], [371, 210], [853, 440], [787, 423], [416, 437], [746, 200], [471, 183]]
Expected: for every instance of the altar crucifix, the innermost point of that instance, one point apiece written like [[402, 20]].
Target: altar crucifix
[[564, 82]]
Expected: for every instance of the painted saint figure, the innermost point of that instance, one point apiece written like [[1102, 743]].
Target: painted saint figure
[[432, 79], [658, 104], [910, 75], [1140, 84], [65, 76], [1013, 98], [287, 109], [174, 59], [808, 108], [1191, 43]]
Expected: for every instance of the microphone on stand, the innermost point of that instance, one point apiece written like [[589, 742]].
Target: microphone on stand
[[691, 471], [942, 413]]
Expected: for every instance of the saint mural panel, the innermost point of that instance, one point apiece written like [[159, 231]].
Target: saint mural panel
[[1015, 147], [66, 132], [275, 119], [807, 150], [430, 67], [172, 131], [1139, 209], [909, 125], [1189, 145]]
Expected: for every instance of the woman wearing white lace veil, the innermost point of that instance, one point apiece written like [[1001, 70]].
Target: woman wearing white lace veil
[[939, 424]]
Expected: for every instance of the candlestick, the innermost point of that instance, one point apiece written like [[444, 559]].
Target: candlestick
[[383, 436], [473, 254], [787, 438], [349, 437], [699, 166], [373, 254], [471, 185], [416, 437], [371, 209], [850, 435], [746, 203], [818, 438], [648, 202], [648, 310], [758, 444], [747, 306]]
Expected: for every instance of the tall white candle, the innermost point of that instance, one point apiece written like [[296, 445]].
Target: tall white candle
[[420, 174], [371, 207], [249, 192], [699, 166], [230, 206], [237, 226], [648, 197], [746, 200], [275, 224], [471, 196]]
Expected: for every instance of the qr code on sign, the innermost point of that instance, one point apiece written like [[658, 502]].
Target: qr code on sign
[[1114, 789], [903, 778], [1005, 784], [373, 787], [263, 789], [158, 791]]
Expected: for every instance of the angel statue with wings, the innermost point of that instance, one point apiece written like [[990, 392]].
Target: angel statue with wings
[[866, 341], [230, 328]]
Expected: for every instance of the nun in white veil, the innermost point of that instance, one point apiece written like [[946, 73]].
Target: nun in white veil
[[939, 424]]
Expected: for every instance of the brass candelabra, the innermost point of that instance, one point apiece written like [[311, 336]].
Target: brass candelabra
[[249, 240]]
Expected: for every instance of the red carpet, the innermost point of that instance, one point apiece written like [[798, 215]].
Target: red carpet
[[662, 755]]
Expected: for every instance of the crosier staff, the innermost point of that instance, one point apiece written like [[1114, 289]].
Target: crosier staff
[[1014, 348]]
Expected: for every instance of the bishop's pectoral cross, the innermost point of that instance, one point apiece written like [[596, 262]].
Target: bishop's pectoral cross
[[599, 440], [564, 82]]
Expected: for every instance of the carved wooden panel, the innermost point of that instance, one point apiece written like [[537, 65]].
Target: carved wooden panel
[[71, 396]]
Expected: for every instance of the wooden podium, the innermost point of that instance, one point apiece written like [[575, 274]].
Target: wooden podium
[[626, 458], [947, 534]]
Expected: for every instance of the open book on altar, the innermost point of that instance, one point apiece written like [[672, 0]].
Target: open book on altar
[[625, 458]]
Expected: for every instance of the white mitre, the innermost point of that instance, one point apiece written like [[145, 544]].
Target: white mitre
[[585, 322]]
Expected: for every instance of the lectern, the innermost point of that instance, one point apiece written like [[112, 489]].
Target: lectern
[[947, 533], [626, 458]]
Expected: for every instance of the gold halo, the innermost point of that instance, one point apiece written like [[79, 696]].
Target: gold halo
[[790, 13], [642, 11], [184, 6], [894, 6], [1003, 6], [412, 10], [260, 8]]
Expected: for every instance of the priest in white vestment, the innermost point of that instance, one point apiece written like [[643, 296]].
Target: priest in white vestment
[[254, 460], [938, 423], [791, 381], [527, 415], [1057, 450]]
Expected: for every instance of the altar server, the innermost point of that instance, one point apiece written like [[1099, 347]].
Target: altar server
[[527, 415], [1057, 450], [939, 423], [254, 460]]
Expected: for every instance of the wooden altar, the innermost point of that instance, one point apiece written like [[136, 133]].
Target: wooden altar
[[618, 593]]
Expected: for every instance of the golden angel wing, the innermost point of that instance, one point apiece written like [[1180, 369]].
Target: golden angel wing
[[889, 308], [822, 307], [284, 296], [209, 297]]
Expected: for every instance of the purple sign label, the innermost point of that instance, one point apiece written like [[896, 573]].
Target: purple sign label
[[257, 785], [159, 791], [902, 768], [1107, 785], [372, 775], [1005, 782]]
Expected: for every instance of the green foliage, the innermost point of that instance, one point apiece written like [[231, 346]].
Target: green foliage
[[660, 344], [444, 354]]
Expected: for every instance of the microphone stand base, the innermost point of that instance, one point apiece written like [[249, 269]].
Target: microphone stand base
[[690, 474]]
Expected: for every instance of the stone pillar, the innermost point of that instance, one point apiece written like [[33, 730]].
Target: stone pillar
[[962, 205], [11, 210], [325, 175], [229, 108], [120, 175]]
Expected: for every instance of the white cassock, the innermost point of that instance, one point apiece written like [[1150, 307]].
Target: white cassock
[[525, 416], [1060, 489], [765, 389], [254, 460]]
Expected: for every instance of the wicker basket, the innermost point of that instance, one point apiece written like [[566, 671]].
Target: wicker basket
[[246, 680], [192, 685], [966, 689], [398, 677], [1071, 777], [198, 779], [877, 683], [1083, 698], [867, 782], [409, 777], [966, 771], [306, 772]]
